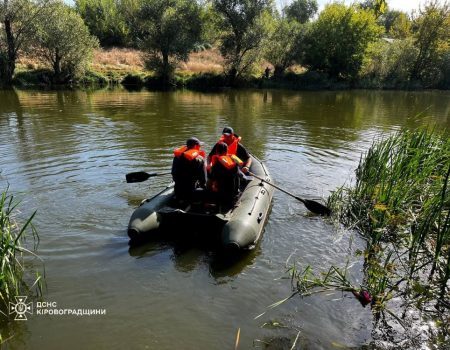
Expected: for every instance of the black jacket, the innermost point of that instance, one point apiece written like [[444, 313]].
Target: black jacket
[[188, 175]]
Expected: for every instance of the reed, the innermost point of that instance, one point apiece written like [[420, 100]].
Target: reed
[[13, 236], [401, 204]]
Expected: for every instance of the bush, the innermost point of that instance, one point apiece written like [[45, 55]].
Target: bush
[[133, 80], [206, 82], [337, 41], [39, 77], [93, 79], [386, 64]]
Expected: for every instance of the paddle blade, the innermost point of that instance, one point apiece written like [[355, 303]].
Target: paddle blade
[[316, 207], [139, 176]]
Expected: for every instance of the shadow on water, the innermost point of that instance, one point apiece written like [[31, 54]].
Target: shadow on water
[[189, 255]]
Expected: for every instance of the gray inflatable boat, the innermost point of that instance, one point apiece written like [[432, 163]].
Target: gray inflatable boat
[[239, 227]]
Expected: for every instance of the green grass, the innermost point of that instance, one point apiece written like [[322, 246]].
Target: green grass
[[13, 236]]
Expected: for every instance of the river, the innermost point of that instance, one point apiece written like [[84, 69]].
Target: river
[[66, 153]]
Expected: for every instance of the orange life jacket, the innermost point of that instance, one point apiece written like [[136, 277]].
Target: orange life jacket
[[232, 147], [228, 161], [189, 154]]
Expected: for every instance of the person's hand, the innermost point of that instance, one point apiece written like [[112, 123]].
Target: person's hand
[[245, 170]]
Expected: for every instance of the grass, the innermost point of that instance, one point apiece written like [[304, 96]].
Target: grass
[[12, 251]]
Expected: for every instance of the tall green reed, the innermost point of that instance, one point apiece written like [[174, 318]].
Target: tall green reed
[[400, 203], [13, 236]]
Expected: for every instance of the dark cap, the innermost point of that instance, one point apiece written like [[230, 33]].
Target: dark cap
[[221, 148], [227, 131], [191, 142]]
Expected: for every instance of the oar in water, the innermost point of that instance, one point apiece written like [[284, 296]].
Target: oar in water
[[141, 176], [313, 206]]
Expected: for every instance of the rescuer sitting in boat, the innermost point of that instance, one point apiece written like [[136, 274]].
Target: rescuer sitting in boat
[[234, 148], [223, 175], [188, 170]]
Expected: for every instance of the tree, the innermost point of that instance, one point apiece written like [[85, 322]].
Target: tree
[[431, 38], [169, 29], [105, 20], [396, 24], [64, 42], [301, 10], [243, 26], [336, 42], [18, 19], [283, 45], [379, 7], [401, 27]]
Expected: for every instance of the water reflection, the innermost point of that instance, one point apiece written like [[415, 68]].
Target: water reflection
[[187, 257], [69, 151]]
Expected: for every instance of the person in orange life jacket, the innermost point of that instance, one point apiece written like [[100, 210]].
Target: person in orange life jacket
[[188, 169], [234, 147], [223, 175]]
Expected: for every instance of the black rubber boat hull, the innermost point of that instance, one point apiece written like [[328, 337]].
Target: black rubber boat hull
[[239, 228]]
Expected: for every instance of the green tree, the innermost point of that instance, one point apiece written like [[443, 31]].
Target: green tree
[[301, 10], [432, 40], [401, 26], [337, 41], [105, 20], [64, 42], [379, 7], [284, 44], [18, 19], [170, 29], [243, 26]]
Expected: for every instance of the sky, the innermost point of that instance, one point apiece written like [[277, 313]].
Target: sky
[[404, 5]]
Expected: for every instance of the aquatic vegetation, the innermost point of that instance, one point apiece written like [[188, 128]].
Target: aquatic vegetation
[[13, 279], [400, 204]]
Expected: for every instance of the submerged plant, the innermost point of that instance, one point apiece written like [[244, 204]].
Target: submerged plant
[[12, 251]]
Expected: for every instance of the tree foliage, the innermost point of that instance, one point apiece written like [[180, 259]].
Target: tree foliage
[[432, 40], [244, 26], [379, 7], [301, 10], [284, 44], [18, 20], [64, 42], [105, 19], [401, 27], [169, 31], [337, 41]]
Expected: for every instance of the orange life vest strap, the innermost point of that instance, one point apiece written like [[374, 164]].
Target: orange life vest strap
[[226, 161], [189, 154], [232, 147]]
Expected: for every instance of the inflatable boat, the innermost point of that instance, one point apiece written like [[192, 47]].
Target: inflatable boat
[[238, 227]]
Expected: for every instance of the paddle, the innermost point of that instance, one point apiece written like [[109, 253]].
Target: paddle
[[141, 176], [313, 206]]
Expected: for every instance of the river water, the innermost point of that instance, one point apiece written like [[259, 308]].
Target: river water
[[66, 153]]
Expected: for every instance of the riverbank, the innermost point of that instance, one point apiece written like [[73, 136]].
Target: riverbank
[[203, 71]]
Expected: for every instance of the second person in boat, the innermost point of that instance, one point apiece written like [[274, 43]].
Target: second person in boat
[[234, 148], [223, 177]]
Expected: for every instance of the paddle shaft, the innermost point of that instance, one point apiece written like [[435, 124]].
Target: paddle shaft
[[278, 188]]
